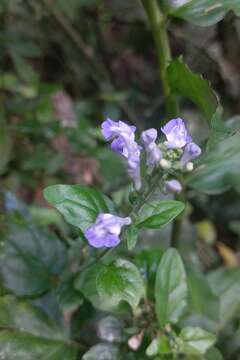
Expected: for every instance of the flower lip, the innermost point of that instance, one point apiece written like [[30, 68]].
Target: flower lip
[[191, 151], [176, 133], [106, 230], [149, 136], [111, 129]]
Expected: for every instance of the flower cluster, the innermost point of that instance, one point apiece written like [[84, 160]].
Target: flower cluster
[[176, 154]]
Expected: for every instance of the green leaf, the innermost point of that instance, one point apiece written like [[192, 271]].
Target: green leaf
[[68, 297], [192, 86], [219, 131], [27, 333], [213, 354], [5, 144], [204, 12], [30, 265], [170, 288], [156, 214], [160, 345], [196, 341], [79, 205], [147, 261], [102, 351], [202, 300], [106, 285], [31, 260], [225, 284], [152, 349], [132, 237], [219, 169]]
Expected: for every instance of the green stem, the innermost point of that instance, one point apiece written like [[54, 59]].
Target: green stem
[[176, 230], [158, 23], [177, 224]]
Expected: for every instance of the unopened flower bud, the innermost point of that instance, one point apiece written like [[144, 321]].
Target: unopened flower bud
[[153, 153], [165, 164], [189, 167], [173, 186]]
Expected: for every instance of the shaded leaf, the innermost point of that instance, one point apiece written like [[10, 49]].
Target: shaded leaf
[[170, 288], [196, 341], [225, 283], [205, 12], [132, 237], [102, 351], [147, 262], [31, 259], [213, 354], [27, 333], [192, 86], [218, 168], [219, 131], [68, 297], [156, 214], [202, 300], [16, 345]]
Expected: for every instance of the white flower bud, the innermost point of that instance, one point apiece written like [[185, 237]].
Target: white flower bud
[[189, 167], [165, 164]]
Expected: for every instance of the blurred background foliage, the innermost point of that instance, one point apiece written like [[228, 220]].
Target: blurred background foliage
[[64, 67]]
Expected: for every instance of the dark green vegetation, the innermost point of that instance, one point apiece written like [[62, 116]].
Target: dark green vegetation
[[64, 67]]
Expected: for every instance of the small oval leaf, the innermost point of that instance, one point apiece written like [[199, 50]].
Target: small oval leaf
[[156, 214]]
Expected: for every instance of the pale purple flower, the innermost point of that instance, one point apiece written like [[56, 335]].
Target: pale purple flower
[[112, 129], [176, 133], [124, 144], [173, 186], [191, 151], [106, 230], [153, 153]]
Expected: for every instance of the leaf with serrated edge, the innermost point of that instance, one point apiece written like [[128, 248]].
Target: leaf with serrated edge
[[192, 86]]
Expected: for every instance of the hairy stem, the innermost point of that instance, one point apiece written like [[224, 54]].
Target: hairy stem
[[158, 23]]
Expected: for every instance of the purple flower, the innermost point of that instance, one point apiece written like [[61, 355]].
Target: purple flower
[[106, 230], [112, 129], [173, 186], [124, 144], [176, 133], [191, 151], [153, 152]]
